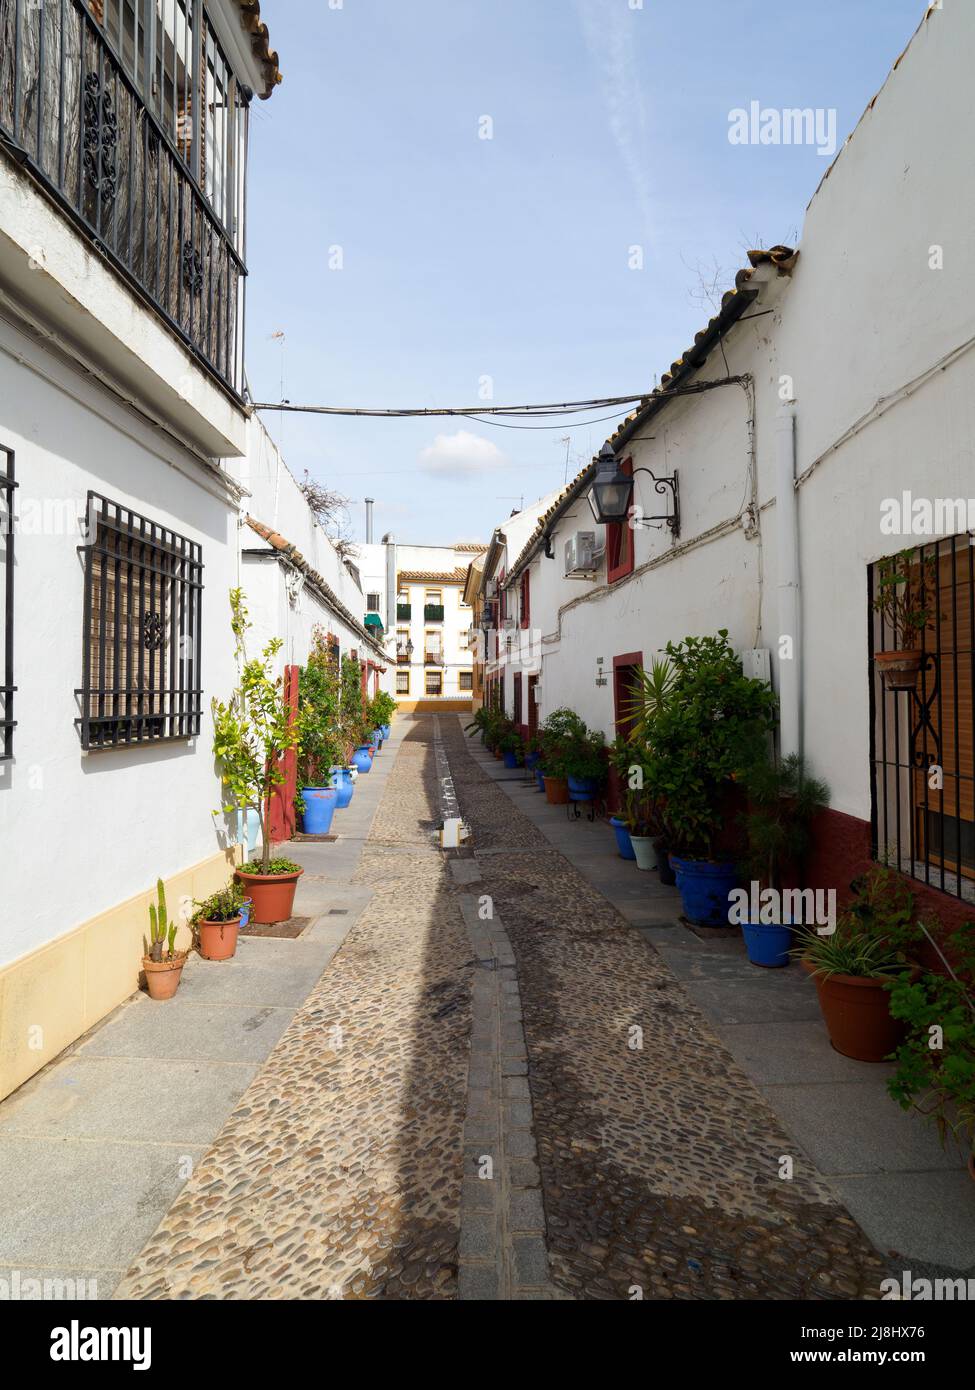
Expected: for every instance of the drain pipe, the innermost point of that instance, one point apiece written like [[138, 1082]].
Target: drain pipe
[[787, 529]]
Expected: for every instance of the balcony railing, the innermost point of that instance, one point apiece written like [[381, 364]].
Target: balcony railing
[[73, 116], [402, 658], [404, 612], [433, 658], [433, 612]]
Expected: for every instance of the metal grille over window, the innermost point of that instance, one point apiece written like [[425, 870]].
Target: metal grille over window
[[922, 649], [7, 687], [143, 591]]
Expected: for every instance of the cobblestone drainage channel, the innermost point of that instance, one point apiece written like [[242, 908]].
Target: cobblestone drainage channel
[[503, 1252]]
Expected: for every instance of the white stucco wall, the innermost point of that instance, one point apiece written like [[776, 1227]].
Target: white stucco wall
[[863, 317], [84, 832]]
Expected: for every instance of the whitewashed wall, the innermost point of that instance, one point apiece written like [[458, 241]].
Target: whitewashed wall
[[85, 831], [863, 317]]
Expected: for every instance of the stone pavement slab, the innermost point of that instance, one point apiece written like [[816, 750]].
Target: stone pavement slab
[[904, 1214]]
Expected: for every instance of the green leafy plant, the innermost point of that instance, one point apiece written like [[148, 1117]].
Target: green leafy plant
[[584, 756], [640, 810], [561, 728], [274, 866], [783, 799], [162, 932], [223, 906], [254, 729], [321, 745], [875, 934], [382, 708], [935, 1072], [907, 592], [649, 701], [511, 742], [714, 723], [479, 724], [356, 729]]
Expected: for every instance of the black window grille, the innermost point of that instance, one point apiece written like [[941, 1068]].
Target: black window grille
[[141, 636], [922, 729], [7, 687]]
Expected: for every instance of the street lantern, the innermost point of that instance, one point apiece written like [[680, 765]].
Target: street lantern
[[612, 490]]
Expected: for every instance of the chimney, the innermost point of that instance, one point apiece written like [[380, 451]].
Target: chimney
[[369, 505]]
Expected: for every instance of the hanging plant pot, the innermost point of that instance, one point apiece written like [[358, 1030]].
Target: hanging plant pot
[[623, 842], [900, 670], [645, 851], [556, 791], [218, 940], [273, 895], [163, 976], [704, 887], [857, 1015]]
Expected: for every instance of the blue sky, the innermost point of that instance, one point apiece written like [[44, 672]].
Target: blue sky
[[507, 258]]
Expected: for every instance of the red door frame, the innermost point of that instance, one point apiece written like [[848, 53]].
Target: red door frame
[[621, 664], [532, 707], [282, 808]]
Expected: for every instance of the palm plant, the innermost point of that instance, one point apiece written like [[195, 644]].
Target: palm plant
[[783, 799]]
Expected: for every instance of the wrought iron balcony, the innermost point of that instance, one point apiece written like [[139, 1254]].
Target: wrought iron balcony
[[404, 612], [75, 116], [433, 612], [433, 658]]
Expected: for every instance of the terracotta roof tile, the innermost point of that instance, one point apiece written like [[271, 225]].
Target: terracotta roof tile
[[456, 576], [250, 18]]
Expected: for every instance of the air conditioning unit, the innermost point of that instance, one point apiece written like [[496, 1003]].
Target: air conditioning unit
[[581, 556]]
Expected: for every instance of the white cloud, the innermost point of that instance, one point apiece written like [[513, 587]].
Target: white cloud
[[460, 453]]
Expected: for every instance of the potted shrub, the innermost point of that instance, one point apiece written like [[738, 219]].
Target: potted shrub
[[511, 748], [162, 963], [252, 733], [558, 731], [854, 967], [936, 1061], [783, 799], [907, 598], [217, 921], [634, 826], [320, 741], [714, 724], [584, 760]]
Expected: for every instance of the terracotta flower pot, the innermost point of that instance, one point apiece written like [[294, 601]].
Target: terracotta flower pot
[[163, 976], [556, 791], [857, 1015], [900, 669], [971, 1166], [273, 895], [218, 940]]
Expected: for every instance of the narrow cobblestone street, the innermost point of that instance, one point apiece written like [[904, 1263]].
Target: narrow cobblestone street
[[406, 1140]]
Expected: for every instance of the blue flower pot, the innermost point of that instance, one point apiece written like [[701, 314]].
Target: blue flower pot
[[384, 730], [245, 913], [319, 809], [540, 779], [377, 738], [344, 787], [532, 760], [510, 759], [767, 944], [623, 842], [704, 887], [582, 788], [361, 759]]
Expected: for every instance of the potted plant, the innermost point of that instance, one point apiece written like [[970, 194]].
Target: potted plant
[[783, 798], [714, 724], [558, 731], [584, 759], [854, 966], [631, 825], [511, 748], [355, 729], [907, 598], [162, 963], [936, 1060], [252, 733], [217, 920], [320, 742]]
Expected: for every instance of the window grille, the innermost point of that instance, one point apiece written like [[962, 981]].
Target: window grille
[[141, 635], [921, 730]]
